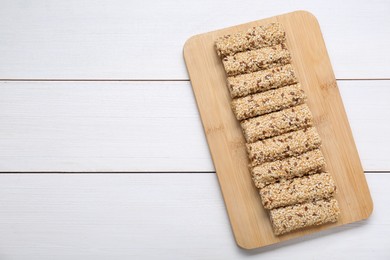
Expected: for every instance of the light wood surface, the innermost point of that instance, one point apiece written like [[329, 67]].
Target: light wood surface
[[81, 118], [249, 220]]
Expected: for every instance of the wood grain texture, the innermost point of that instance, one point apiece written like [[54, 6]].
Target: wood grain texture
[[123, 126], [248, 218], [119, 39], [156, 216]]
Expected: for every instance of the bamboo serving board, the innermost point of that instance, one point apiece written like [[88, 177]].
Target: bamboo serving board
[[250, 222]]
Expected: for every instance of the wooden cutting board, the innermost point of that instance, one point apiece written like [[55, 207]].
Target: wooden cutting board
[[249, 220]]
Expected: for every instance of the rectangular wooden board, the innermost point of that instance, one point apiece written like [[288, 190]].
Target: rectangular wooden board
[[249, 220]]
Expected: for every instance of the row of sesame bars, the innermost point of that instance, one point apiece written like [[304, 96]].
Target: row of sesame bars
[[283, 146]]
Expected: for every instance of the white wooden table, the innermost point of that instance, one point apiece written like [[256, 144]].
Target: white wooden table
[[99, 89]]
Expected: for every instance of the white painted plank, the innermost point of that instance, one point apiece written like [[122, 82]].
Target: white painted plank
[[368, 110], [156, 216], [119, 39], [73, 126], [143, 126]]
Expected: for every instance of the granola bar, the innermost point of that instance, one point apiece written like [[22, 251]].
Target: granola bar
[[259, 81], [277, 123], [304, 215], [254, 38], [283, 146], [298, 190], [269, 101], [260, 59], [305, 164]]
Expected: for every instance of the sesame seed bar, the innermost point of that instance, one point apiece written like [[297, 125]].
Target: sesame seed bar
[[269, 101], [259, 81], [298, 190], [304, 215], [277, 123], [260, 59], [254, 38], [305, 164], [286, 145]]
